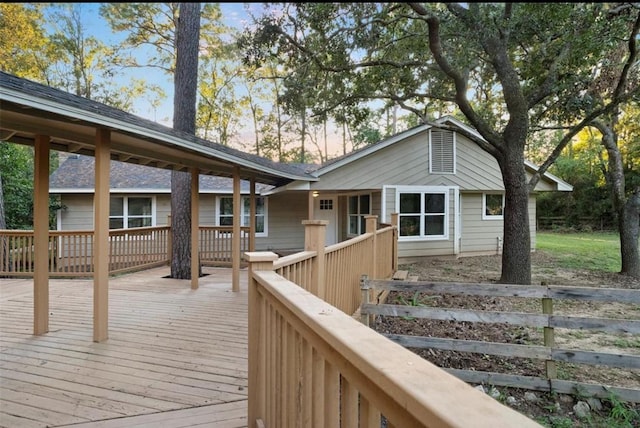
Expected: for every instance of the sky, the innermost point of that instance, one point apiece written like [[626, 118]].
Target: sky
[[235, 15]]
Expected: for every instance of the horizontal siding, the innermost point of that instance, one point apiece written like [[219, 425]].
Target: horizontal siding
[[77, 213], [478, 235], [285, 215]]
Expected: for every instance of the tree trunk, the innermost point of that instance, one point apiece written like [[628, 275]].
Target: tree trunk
[[3, 220], [516, 251], [629, 227], [626, 207], [184, 119]]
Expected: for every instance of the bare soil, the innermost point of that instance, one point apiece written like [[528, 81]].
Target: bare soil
[[552, 410]]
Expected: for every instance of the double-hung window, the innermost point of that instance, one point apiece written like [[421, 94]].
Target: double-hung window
[[423, 213], [128, 211], [225, 213], [359, 207]]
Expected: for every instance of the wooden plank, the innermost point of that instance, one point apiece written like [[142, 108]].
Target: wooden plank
[[169, 349], [400, 275], [215, 416], [521, 351], [531, 320]]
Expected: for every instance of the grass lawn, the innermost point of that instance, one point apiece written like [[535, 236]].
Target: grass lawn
[[594, 250]]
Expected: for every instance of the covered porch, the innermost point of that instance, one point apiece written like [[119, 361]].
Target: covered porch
[[175, 356]]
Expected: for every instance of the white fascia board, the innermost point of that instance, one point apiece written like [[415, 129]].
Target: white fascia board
[[293, 186], [371, 149], [145, 191], [97, 119], [561, 185]]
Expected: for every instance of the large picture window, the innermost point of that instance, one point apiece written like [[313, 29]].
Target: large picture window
[[423, 214], [359, 207], [225, 213], [127, 212], [492, 206]]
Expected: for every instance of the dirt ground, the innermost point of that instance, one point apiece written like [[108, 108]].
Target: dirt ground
[[552, 410]]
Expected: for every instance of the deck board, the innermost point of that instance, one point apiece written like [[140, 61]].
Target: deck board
[[174, 355]]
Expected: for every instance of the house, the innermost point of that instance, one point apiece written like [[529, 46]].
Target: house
[[447, 191]]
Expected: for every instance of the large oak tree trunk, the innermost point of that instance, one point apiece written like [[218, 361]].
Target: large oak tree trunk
[[184, 119], [629, 227], [516, 252]]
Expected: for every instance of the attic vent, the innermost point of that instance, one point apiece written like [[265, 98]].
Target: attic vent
[[442, 152]]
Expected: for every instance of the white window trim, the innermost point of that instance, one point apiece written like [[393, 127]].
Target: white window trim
[[359, 213], [266, 212], [484, 207], [125, 207], [455, 161], [425, 189]]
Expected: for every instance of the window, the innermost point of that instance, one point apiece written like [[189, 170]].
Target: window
[[359, 207], [127, 212], [225, 213], [442, 152], [423, 214], [326, 204], [492, 206]]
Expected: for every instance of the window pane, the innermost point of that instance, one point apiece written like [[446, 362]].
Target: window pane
[[226, 206], [226, 221], [139, 222], [260, 205], [363, 224], [353, 205], [434, 202], [409, 225], [139, 206], [364, 204], [353, 224], [116, 223], [410, 202], [493, 205], [259, 224], [434, 225], [246, 205], [116, 206]]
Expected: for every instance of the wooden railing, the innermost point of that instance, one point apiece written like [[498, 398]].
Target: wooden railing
[[216, 244], [547, 320], [312, 365], [340, 266], [71, 251]]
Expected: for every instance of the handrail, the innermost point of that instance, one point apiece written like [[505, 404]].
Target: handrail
[[309, 361]]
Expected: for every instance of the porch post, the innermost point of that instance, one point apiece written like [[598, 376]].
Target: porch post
[[195, 228], [41, 236], [314, 239], [311, 202], [396, 233], [371, 227], [257, 338], [235, 242], [252, 215], [101, 237]]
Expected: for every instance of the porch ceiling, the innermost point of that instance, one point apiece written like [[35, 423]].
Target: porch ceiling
[[28, 109]]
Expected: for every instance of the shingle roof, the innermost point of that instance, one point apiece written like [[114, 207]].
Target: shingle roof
[[77, 172], [36, 95]]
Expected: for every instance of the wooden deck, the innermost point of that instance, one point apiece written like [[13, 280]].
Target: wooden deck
[[175, 357]]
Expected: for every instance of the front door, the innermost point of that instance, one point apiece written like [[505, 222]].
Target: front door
[[326, 208]]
